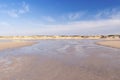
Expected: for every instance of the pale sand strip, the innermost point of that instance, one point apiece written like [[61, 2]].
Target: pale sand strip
[[112, 43], [15, 44]]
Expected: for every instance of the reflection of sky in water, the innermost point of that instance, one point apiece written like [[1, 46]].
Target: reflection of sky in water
[[4, 40], [59, 47], [74, 54]]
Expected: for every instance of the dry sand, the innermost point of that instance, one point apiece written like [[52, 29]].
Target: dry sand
[[111, 43], [14, 44]]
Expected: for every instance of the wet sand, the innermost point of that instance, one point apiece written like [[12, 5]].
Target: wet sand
[[111, 43], [61, 60], [14, 44]]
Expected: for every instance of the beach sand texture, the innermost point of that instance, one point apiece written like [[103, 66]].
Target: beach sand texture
[[14, 44], [61, 60], [111, 43]]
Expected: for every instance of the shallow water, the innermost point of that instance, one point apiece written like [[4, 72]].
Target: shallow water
[[4, 40], [60, 60]]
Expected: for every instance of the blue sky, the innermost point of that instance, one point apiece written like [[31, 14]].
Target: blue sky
[[59, 17]]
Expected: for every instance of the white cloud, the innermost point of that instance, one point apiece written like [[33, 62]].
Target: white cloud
[[73, 16], [16, 12], [90, 27], [13, 13], [97, 23], [4, 24], [80, 27], [49, 19], [108, 13], [24, 9], [107, 25], [77, 15], [107, 22]]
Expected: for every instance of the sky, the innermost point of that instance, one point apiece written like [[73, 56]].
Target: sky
[[59, 17]]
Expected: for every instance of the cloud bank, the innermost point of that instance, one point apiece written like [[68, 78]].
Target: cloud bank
[[102, 22]]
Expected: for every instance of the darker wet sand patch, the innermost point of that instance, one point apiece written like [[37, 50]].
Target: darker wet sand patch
[[97, 65], [36, 67]]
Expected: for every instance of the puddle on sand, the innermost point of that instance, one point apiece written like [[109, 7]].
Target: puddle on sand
[[79, 59]]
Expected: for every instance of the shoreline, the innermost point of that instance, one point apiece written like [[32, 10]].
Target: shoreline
[[15, 44], [110, 43], [60, 60]]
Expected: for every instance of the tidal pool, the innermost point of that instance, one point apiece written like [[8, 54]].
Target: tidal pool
[[60, 60]]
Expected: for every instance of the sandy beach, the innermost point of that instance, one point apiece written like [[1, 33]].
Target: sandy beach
[[110, 43], [60, 60], [59, 39], [14, 44]]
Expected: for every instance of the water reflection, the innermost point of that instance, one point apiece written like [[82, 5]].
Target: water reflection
[[81, 59], [55, 47]]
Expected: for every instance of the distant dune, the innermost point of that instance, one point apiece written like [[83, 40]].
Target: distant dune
[[13, 44], [62, 37]]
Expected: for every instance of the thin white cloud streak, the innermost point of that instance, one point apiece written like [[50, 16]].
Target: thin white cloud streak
[[24, 9], [16, 12], [73, 16], [96, 23], [101, 25], [76, 15], [49, 19], [79, 27], [106, 21], [109, 13], [4, 24], [91, 27], [13, 13]]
